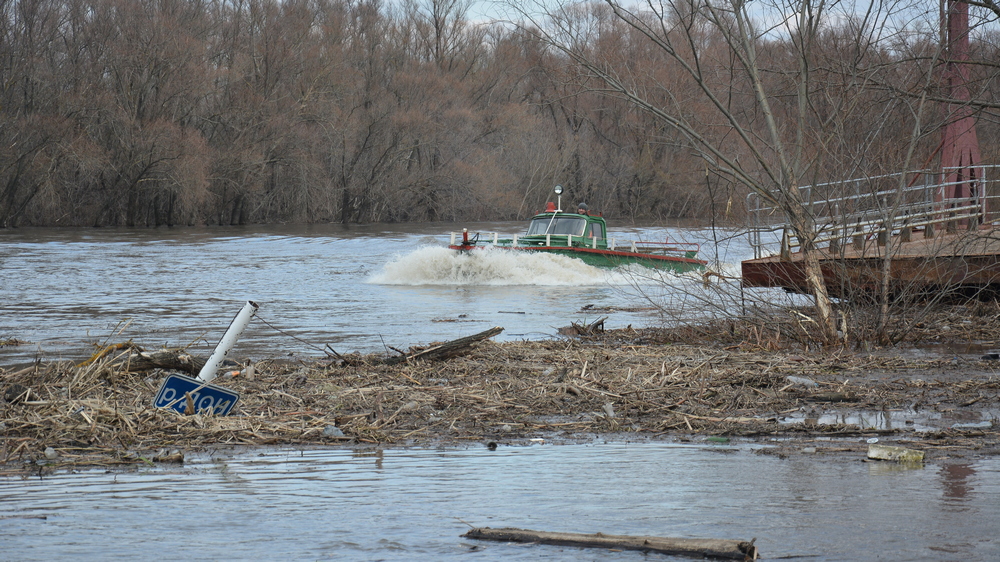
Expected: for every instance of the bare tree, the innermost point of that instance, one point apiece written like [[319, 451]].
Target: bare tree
[[987, 4], [752, 102], [152, 112]]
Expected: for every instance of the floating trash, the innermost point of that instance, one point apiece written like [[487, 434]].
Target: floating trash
[[898, 454]]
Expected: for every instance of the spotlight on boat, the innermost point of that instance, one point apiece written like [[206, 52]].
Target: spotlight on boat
[[558, 191]]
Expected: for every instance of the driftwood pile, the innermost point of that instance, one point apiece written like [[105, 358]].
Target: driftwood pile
[[100, 411]]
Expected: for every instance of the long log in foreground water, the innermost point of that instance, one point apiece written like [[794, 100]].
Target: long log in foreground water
[[717, 548]]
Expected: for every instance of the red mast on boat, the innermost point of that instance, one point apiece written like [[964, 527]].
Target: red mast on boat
[[961, 166]]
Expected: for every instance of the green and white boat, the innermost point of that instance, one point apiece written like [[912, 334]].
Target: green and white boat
[[583, 236]]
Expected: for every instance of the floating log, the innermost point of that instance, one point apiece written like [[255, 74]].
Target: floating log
[[445, 350], [700, 548]]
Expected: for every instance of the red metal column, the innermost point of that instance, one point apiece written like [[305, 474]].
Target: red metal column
[[960, 160]]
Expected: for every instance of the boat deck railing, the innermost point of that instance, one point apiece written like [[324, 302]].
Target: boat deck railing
[[687, 249], [854, 211], [690, 249]]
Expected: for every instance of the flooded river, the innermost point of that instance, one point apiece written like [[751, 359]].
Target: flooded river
[[364, 288], [367, 288], [413, 504]]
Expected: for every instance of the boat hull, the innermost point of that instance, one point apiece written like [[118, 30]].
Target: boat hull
[[603, 258]]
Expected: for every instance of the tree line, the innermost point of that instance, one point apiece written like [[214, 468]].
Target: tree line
[[181, 112]]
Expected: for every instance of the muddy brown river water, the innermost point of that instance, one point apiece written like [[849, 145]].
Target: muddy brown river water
[[360, 288], [413, 504], [371, 287]]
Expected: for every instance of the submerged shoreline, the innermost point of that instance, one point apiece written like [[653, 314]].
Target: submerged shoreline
[[623, 385]]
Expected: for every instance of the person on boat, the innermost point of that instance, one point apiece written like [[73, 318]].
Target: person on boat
[[582, 209]]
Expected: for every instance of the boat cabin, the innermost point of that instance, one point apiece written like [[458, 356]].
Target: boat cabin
[[585, 227]]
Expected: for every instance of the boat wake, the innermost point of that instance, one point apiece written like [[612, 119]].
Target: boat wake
[[441, 266]]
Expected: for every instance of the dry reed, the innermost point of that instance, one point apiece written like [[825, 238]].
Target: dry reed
[[625, 382]]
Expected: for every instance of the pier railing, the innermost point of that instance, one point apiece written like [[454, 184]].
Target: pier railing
[[856, 210]]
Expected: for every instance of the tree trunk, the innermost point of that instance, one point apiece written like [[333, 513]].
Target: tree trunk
[[817, 286], [805, 230]]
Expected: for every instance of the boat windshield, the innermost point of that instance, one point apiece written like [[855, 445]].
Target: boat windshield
[[560, 225]]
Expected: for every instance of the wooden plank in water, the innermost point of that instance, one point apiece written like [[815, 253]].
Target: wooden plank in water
[[700, 548]]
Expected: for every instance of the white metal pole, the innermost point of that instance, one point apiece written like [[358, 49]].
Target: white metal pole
[[236, 328]]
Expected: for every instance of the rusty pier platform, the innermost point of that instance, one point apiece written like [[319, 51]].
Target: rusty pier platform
[[966, 262], [925, 241]]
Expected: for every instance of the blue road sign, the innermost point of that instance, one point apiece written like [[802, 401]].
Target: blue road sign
[[215, 399]]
